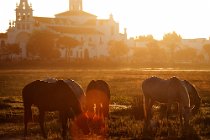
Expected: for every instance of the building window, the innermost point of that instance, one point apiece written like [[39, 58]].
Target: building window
[[24, 5], [19, 17], [24, 16], [29, 15]]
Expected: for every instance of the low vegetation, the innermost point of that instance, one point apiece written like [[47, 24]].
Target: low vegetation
[[126, 104]]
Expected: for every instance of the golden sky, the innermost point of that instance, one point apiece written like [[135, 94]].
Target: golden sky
[[189, 18]]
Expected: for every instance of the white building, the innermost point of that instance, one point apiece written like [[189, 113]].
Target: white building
[[95, 34]]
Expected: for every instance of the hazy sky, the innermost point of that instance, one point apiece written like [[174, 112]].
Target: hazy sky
[[189, 18]]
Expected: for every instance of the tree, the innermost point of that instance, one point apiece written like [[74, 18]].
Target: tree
[[68, 43], [10, 50], [186, 54], [42, 44], [156, 54], [117, 49], [140, 54], [13, 49], [172, 41]]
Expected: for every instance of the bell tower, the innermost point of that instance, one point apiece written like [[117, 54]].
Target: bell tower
[[24, 15], [75, 5]]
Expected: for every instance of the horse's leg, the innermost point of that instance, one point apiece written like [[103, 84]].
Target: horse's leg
[[151, 102], [168, 110], [41, 122], [64, 120], [147, 109], [105, 109], [27, 110]]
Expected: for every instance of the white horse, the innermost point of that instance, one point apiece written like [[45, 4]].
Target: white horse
[[168, 92]]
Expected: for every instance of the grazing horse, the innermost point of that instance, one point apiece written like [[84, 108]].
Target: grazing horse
[[166, 91], [97, 104], [47, 96], [195, 99], [98, 96], [78, 91], [75, 87]]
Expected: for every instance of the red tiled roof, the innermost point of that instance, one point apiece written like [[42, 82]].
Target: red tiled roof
[[52, 20], [44, 19], [74, 30], [75, 13]]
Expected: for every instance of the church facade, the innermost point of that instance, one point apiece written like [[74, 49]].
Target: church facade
[[93, 33]]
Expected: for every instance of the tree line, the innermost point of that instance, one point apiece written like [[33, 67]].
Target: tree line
[[45, 45]]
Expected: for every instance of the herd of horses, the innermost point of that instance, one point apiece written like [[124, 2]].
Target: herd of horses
[[86, 107]]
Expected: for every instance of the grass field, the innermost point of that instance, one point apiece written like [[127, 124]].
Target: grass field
[[125, 88]]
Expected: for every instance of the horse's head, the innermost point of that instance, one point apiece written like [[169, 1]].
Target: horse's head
[[187, 113], [194, 96]]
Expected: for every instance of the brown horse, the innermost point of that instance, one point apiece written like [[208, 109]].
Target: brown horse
[[166, 91], [75, 87], [98, 94], [55, 96], [78, 91], [97, 105]]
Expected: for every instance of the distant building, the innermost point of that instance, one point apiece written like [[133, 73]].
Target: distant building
[[94, 34], [3, 39], [196, 43]]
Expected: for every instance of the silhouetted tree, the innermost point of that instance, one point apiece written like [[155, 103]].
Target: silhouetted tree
[[13, 49], [68, 43], [156, 54], [140, 54], [42, 44], [117, 49], [172, 41], [186, 54]]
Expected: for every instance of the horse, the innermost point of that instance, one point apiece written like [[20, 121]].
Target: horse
[[54, 96], [166, 91], [98, 94], [77, 89], [97, 103], [195, 99]]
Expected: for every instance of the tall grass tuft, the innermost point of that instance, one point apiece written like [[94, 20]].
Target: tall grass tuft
[[137, 107]]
